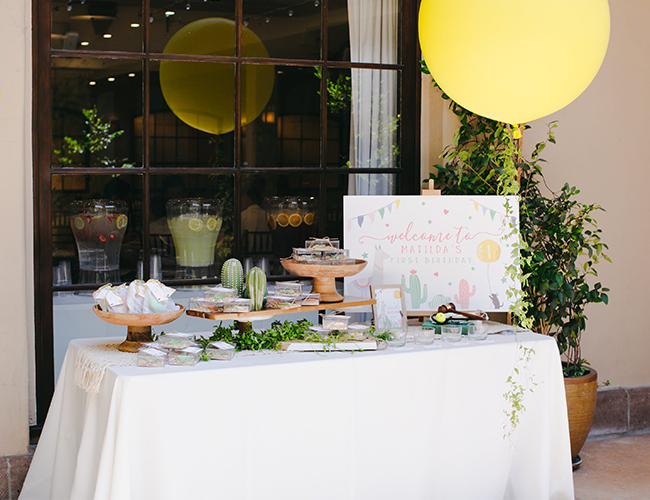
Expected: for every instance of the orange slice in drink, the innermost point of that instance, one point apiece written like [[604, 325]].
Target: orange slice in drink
[[309, 218], [283, 220], [271, 222], [295, 220]]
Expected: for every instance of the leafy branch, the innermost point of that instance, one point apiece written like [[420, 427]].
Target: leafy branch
[[339, 91], [97, 138]]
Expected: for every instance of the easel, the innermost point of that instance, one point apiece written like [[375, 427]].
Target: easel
[[430, 191]]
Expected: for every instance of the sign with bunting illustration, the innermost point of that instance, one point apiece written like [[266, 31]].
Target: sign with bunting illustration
[[439, 248]]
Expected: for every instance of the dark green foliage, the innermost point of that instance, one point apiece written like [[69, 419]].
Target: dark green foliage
[[564, 247], [561, 241]]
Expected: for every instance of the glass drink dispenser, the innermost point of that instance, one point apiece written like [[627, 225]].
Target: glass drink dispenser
[[194, 224], [98, 227]]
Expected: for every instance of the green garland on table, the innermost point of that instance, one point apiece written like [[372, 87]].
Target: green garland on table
[[271, 339]]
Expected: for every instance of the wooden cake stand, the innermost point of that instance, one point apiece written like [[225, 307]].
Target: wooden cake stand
[[139, 325], [324, 276]]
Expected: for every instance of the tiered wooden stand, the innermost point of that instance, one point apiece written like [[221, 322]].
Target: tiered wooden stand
[[346, 303]]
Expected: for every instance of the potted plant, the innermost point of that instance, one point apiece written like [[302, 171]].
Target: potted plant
[[563, 248], [560, 246]]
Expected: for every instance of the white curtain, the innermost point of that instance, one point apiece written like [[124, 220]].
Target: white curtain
[[374, 32]]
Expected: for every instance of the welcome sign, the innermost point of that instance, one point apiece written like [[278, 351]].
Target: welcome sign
[[439, 248]]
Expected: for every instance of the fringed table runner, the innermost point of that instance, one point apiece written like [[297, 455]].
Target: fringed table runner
[[92, 362]]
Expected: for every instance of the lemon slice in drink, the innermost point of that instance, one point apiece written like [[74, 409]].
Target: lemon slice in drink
[[212, 224], [122, 221], [196, 224], [79, 223]]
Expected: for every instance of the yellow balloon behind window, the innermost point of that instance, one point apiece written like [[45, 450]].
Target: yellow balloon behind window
[[514, 60], [202, 94]]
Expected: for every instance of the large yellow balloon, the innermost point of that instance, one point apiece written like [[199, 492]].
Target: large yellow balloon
[[202, 94], [514, 60]]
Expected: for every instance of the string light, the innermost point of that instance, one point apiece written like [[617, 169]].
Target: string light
[[288, 9], [69, 7]]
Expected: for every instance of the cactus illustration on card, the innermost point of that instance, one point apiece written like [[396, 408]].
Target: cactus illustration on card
[[462, 299], [437, 301], [418, 295]]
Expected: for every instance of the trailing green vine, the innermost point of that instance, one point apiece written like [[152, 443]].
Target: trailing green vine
[[520, 383], [558, 240]]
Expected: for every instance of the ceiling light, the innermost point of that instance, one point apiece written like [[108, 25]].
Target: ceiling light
[[85, 43], [169, 13], [111, 78], [135, 25], [131, 75], [108, 35], [92, 82]]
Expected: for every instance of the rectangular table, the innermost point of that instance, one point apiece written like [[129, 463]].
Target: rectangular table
[[403, 423]]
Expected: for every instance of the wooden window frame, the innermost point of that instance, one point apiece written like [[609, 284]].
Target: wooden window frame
[[408, 173]]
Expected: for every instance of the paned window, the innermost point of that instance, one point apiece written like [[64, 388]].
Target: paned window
[[266, 112]]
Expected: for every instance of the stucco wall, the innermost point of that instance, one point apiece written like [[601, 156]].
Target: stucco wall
[[16, 292], [601, 148]]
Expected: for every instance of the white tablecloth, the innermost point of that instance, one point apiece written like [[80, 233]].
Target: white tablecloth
[[407, 423]]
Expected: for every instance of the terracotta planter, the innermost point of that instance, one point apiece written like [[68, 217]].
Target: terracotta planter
[[581, 405]]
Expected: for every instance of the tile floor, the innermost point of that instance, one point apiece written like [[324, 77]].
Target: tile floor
[[614, 469]]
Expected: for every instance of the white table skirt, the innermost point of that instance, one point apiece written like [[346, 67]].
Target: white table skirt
[[408, 423]]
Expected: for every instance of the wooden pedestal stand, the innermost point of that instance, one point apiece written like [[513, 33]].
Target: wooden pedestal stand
[[324, 276], [139, 325]]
